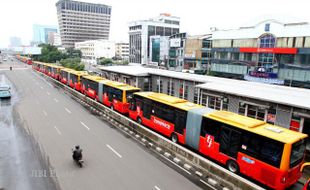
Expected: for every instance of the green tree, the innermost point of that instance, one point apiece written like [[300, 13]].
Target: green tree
[[72, 53], [73, 63], [49, 54], [105, 61]]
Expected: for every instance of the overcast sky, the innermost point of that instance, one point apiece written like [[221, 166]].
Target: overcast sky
[[197, 16]]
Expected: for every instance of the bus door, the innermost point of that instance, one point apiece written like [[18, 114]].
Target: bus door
[[147, 112], [180, 124], [229, 141]]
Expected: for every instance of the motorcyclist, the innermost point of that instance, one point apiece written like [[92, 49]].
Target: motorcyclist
[[77, 153]]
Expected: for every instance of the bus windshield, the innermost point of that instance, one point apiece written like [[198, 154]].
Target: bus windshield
[[297, 154]]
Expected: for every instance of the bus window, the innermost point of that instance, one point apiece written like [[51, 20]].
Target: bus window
[[117, 94], [164, 112], [271, 152], [250, 144], [129, 95], [180, 121], [297, 153], [147, 109], [229, 141], [210, 127]]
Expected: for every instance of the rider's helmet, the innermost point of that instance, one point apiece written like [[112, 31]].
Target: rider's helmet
[[77, 147]]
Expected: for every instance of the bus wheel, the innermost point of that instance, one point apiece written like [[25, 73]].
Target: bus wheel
[[232, 166], [139, 120], [174, 138]]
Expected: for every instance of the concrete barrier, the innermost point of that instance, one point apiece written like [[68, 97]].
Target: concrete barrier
[[207, 170]]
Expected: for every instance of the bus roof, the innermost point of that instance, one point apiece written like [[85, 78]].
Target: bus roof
[[169, 100], [54, 66], [80, 73], [257, 126], [94, 78], [40, 63], [119, 85], [68, 70]]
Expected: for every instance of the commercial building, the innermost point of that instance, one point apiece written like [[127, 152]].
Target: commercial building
[[122, 51], [15, 42], [159, 50], [95, 49], [279, 46], [288, 107], [189, 53], [80, 21], [41, 33], [141, 31], [176, 51]]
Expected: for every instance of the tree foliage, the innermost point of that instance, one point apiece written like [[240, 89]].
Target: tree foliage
[[70, 59], [73, 63], [49, 54], [105, 61]]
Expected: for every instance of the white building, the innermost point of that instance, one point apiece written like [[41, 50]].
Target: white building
[[54, 39], [95, 49], [140, 32], [122, 50]]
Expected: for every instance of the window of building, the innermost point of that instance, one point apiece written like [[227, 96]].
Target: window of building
[[267, 41], [287, 58], [206, 44], [266, 59], [242, 108], [186, 92], [225, 102], [235, 56], [159, 85], [170, 89], [267, 27], [214, 102], [196, 96], [159, 30], [271, 115]]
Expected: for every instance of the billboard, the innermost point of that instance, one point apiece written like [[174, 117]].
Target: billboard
[[175, 42]]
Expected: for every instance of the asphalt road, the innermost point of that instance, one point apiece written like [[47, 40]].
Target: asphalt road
[[112, 161]]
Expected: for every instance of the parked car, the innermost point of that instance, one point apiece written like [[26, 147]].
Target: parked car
[[5, 91]]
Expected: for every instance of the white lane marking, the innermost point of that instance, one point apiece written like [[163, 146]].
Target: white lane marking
[[177, 165], [85, 125], [41, 87], [14, 69], [55, 100], [49, 84], [48, 93], [68, 110], [207, 184], [57, 130], [114, 151], [44, 112], [157, 188]]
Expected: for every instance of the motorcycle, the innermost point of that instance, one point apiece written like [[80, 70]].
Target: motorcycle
[[79, 161]]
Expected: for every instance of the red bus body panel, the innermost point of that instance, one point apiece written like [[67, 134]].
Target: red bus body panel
[[155, 123], [91, 93], [78, 87], [63, 80], [71, 84]]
